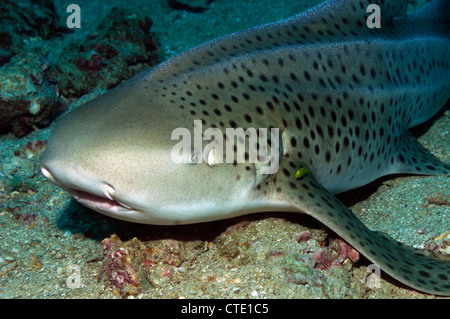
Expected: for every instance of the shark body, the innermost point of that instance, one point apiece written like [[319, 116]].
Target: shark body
[[341, 94]]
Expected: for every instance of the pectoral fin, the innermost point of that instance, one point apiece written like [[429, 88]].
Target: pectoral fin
[[419, 269]]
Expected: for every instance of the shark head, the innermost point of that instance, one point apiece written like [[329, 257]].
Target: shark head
[[119, 157]]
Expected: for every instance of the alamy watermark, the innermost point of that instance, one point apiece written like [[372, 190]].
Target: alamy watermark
[[74, 19], [374, 279], [73, 279], [213, 153], [374, 19]]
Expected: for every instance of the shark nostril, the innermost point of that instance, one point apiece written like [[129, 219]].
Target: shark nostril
[[109, 191]]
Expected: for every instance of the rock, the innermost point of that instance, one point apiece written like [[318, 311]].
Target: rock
[[41, 74]]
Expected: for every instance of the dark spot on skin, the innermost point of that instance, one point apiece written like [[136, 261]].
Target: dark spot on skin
[[293, 142], [307, 76], [306, 142], [442, 277], [317, 149]]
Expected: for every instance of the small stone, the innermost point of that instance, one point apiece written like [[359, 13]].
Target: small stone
[[353, 255], [35, 106], [10, 259], [304, 236], [35, 264], [180, 269]]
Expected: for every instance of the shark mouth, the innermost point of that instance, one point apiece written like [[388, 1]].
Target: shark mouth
[[105, 203], [97, 202]]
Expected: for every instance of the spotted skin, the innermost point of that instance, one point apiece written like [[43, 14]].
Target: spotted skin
[[343, 96]]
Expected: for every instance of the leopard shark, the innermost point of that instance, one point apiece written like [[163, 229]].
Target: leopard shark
[[330, 98]]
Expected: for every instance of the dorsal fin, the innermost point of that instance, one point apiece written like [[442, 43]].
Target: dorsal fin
[[333, 20], [420, 269], [355, 11], [391, 9], [433, 15]]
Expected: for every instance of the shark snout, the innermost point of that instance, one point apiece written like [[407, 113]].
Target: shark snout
[[48, 175], [71, 179], [100, 189], [96, 194]]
